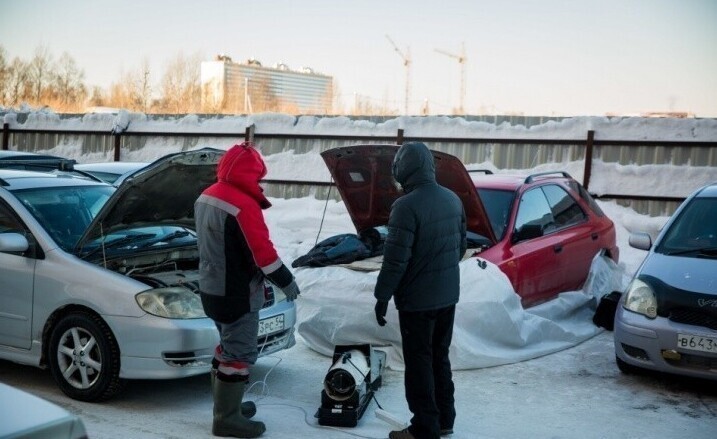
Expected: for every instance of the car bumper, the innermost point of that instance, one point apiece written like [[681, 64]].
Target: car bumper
[[284, 339], [158, 348], [652, 344]]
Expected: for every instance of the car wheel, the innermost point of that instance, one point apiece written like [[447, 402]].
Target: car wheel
[[626, 368], [84, 358]]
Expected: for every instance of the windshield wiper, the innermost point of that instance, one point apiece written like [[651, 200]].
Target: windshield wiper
[[702, 251], [118, 243], [165, 238]]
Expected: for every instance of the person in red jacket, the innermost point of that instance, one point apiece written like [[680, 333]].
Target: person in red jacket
[[235, 256]]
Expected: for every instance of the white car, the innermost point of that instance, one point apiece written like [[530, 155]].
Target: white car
[[111, 172], [27, 416], [99, 283]]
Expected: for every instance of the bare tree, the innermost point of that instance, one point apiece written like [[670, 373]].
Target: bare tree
[[69, 85], [143, 92], [4, 72], [180, 87], [40, 74], [133, 91], [17, 87], [97, 97], [120, 93]]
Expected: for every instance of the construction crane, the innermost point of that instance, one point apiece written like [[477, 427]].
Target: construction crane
[[407, 64], [462, 61]]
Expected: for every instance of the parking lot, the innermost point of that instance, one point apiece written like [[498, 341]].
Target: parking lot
[[578, 392]]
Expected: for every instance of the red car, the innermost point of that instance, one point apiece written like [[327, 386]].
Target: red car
[[542, 230]]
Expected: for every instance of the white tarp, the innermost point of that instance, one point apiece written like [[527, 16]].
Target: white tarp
[[491, 327]]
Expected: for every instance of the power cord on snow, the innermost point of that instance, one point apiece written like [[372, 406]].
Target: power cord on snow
[[265, 393]]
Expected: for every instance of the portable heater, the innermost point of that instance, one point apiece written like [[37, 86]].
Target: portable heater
[[350, 383]]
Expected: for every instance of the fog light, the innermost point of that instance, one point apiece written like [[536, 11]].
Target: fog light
[[671, 355], [635, 352]]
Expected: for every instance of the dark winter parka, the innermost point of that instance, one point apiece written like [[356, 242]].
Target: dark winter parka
[[235, 251], [426, 237]]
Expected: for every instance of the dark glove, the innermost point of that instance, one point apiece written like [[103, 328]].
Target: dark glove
[[291, 291], [380, 308]]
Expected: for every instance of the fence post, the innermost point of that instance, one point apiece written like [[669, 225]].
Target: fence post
[[118, 142], [5, 136], [249, 133], [588, 158], [399, 140]]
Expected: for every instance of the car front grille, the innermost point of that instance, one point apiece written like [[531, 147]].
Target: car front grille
[[186, 359], [693, 317], [275, 342]]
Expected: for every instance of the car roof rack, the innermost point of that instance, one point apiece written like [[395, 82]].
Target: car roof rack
[[532, 177], [78, 173], [49, 163], [485, 171]]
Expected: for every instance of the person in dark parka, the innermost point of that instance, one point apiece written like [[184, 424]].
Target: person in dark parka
[[425, 243]]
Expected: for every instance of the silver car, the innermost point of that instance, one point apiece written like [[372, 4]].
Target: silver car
[[99, 283], [667, 318]]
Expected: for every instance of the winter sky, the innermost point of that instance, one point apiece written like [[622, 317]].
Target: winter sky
[[535, 57]]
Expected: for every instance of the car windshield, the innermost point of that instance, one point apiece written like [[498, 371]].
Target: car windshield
[[694, 231], [65, 212], [497, 205]]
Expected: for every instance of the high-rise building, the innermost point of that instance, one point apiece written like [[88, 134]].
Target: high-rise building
[[250, 88]]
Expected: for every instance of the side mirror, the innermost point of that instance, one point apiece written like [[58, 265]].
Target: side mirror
[[13, 243], [640, 240], [527, 231]]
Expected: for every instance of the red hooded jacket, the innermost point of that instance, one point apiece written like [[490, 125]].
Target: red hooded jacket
[[235, 250]]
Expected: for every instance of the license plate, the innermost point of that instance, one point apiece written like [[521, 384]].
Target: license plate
[[275, 324], [697, 343]]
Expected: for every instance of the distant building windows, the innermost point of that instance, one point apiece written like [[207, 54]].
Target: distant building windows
[[252, 88]]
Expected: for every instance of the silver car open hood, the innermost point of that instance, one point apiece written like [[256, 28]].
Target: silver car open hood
[[163, 193]]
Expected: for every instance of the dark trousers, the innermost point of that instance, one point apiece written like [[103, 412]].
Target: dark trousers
[[426, 338]]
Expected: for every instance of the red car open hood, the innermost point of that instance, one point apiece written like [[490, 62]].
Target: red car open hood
[[362, 174]]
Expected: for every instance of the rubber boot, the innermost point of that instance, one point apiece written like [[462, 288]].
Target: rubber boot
[[248, 408], [228, 420]]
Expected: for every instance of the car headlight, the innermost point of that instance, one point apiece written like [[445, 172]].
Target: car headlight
[[641, 299], [171, 303], [279, 295]]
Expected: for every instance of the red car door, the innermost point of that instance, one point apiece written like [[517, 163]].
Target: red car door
[[578, 239], [535, 250]]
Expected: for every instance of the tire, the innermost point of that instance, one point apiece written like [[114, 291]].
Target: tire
[[84, 358], [626, 368]]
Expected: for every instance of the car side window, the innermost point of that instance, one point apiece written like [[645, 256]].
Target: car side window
[[534, 216], [579, 189], [565, 209], [8, 221]]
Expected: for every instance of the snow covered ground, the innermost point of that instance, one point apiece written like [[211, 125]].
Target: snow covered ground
[[575, 391], [554, 376]]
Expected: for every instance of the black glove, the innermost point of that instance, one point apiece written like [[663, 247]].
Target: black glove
[[291, 291], [380, 308]]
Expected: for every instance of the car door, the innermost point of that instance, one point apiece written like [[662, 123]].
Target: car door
[[16, 277], [578, 240], [535, 251]]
